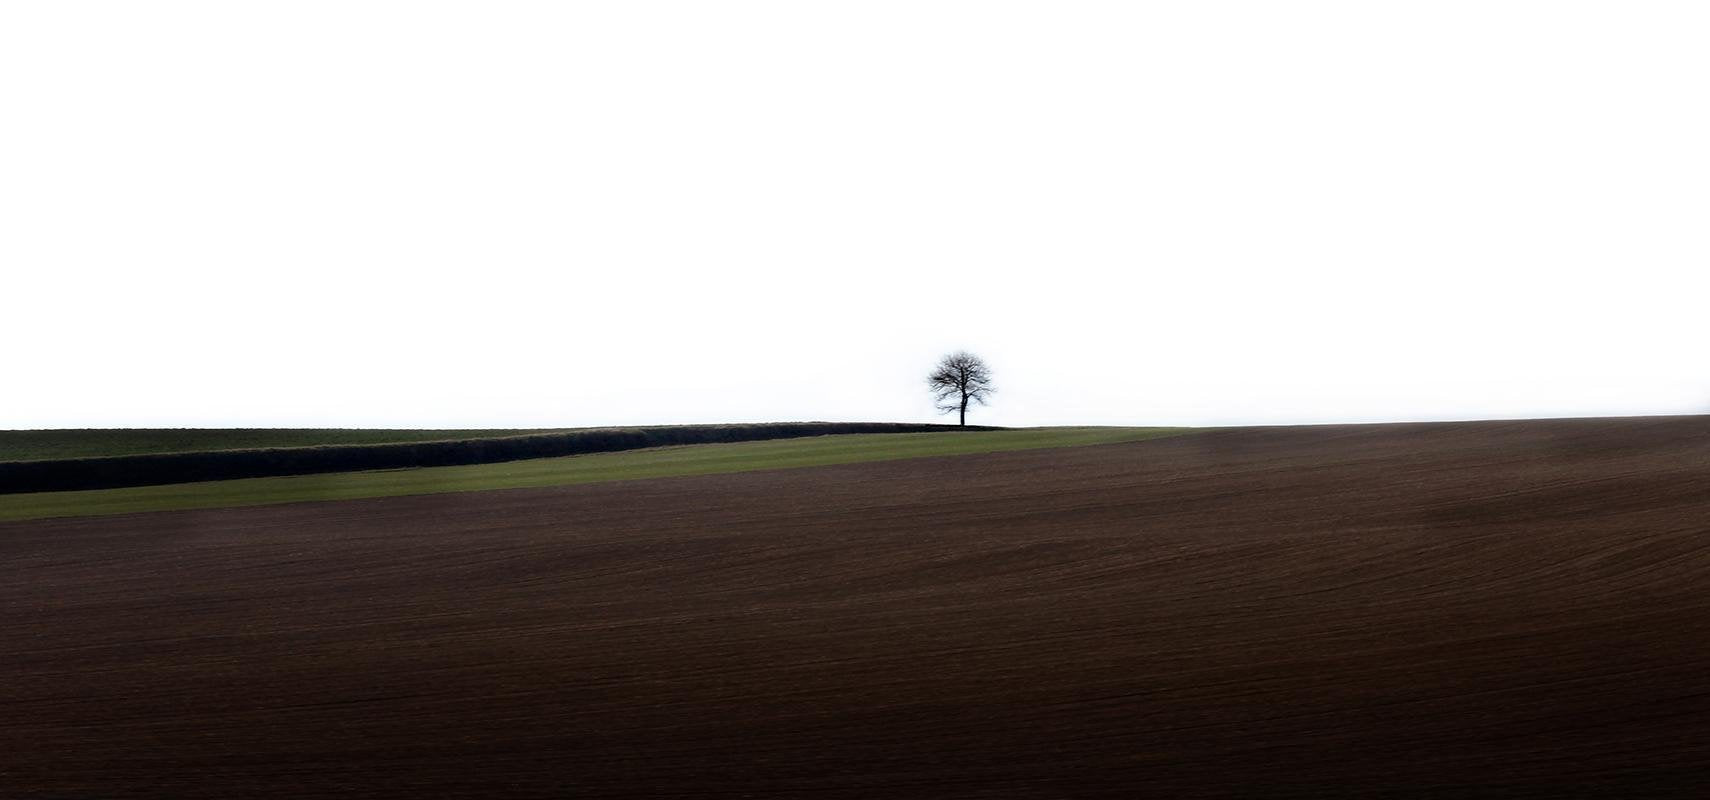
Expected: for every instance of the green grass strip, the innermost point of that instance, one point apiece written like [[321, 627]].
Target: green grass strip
[[701, 459]]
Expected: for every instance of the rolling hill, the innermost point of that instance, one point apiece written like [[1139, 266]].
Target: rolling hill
[[122, 459], [1507, 609], [811, 447]]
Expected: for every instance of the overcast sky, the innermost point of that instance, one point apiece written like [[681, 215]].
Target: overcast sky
[[431, 214]]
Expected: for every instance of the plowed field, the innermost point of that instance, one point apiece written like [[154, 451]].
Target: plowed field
[[1453, 610]]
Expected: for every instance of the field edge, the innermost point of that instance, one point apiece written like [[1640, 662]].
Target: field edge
[[683, 460]]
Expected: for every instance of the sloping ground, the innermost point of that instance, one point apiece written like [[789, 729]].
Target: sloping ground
[[652, 462], [155, 469], [1460, 610]]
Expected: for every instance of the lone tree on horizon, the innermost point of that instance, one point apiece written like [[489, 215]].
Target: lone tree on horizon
[[960, 378]]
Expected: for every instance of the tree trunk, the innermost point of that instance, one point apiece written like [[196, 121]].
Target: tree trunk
[[964, 419]]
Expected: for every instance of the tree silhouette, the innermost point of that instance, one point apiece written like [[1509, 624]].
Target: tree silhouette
[[960, 378]]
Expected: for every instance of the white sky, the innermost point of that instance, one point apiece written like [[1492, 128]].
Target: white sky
[[428, 214]]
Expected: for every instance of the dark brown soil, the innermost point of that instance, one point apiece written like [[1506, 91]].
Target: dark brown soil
[[1460, 610]]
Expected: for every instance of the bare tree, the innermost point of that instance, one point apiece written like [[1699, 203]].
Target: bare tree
[[960, 378]]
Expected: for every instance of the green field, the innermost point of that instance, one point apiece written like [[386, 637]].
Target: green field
[[701, 459], [44, 445]]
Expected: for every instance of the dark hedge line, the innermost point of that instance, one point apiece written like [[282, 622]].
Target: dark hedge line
[[161, 468]]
